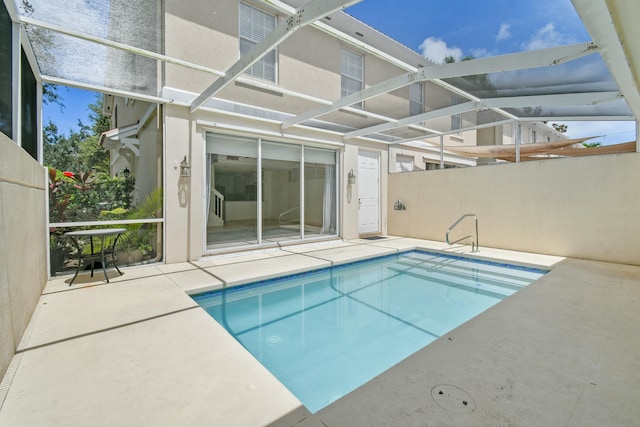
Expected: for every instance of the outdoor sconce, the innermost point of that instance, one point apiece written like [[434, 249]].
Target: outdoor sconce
[[352, 177], [399, 206], [185, 167], [126, 172]]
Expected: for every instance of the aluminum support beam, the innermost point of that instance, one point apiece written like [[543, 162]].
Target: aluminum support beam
[[589, 98], [305, 15], [117, 45], [441, 151], [447, 111], [465, 129], [609, 33], [518, 137], [515, 61], [504, 102]]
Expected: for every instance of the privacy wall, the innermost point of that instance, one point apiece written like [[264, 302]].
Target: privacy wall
[[585, 207], [23, 253]]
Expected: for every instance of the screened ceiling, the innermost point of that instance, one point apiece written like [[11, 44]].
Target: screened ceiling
[[116, 46]]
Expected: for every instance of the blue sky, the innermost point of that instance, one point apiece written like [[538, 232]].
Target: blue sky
[[437, 28], [75, 102], [460, 28], [477, 28]]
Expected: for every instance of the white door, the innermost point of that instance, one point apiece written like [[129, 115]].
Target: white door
[[368, 192]]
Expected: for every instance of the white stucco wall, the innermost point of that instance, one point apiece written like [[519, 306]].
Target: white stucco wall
[[23, 253], [585, 207]]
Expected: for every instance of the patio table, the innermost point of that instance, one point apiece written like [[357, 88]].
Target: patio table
[[105, 251]]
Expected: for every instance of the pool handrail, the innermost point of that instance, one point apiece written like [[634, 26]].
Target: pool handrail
[[475, 244]]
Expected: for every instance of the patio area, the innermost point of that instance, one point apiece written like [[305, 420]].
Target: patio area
[[139, 351]]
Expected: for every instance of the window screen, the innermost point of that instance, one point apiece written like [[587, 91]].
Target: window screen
[[456, 119], [29, 108], [351, 72], [6, 110], [404, 163], [415, 99], [254, 26]]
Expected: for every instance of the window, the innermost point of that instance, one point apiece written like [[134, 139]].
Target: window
[[416, 99], [456, 119], [6, 91], [351, 72], [298, 200], [28, 108], [404, 163], [254, 26]]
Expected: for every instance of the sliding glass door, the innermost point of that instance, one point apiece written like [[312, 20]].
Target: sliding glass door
[[320, 200], [295, 186], [281, 190], [232, 193]]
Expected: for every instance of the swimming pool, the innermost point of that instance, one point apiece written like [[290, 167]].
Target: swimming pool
[[325, 333]]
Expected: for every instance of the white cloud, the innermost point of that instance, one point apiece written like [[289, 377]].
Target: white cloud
[[504, 33], [480, 53], [436, 50], [548, 36]]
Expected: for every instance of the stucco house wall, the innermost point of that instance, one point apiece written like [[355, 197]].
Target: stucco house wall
[[585, 207], [24, 252]]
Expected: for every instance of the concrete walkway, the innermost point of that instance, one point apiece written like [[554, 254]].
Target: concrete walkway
[[139, 352]]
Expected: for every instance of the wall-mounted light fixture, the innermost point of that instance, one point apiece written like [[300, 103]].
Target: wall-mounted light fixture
[[352, 177], [399, 206], [126, 172], [185, 167]]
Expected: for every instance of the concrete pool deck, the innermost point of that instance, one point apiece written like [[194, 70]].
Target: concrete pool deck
[[139, 352]]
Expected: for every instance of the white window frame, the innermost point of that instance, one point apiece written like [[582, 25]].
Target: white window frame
[[405, 163], [257, 69], [456, 119], [350, 71], [416, 99]]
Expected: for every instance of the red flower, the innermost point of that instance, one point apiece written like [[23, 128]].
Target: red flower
[[68, 174]]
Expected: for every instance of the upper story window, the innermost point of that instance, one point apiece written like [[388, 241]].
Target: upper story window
[[254, 26], [351, 71], [404, 163], [456, 119], [416, 99]]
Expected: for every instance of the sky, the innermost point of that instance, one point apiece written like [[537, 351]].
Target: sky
[[439, 28], [75, 108], [462, 28]]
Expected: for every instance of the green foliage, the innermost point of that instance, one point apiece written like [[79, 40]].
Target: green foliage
[[559, 128], [474, 82], [591, 144], [50, 95], [140, 236], [83, 196]]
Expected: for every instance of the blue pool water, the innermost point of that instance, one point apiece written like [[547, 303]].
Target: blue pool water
[[325, 333]]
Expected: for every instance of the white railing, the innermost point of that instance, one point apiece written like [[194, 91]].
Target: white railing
[[474, 242], [216, 209]]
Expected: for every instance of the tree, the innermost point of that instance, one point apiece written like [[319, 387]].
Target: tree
[[591, 144], [50, 95], [84, 186], [478, 81], [559, 128]]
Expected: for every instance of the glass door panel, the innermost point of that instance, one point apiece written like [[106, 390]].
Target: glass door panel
[[280, 191], [320, 192], [232, 190]]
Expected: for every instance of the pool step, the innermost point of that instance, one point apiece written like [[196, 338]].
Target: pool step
[[487, 290]]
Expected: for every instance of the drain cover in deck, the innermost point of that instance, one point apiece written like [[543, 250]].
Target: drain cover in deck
[[453, 398]]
